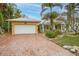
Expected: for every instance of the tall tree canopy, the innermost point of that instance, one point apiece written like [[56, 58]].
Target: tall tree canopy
[[72, 10], [8, 11]]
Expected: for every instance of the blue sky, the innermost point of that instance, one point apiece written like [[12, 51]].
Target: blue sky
[[33, 9]]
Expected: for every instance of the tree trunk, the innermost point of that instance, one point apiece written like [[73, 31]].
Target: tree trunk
[[9, 24], [69, 18], [68, 21], [2, 20], [51, 20], [8, 27], [73, 20]]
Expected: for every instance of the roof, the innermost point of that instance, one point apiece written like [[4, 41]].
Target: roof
[[24, 19], [45, 22]]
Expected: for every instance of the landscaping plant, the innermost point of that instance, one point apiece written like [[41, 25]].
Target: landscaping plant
[[53, 34]]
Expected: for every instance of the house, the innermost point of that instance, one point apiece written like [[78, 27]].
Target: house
[[25, 25]]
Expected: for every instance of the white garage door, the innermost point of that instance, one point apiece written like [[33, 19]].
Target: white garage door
[[24, 29]]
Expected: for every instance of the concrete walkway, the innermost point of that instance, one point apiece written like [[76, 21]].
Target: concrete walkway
[[26, 45]]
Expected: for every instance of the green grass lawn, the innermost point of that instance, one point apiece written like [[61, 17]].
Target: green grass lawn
[[68, 40]]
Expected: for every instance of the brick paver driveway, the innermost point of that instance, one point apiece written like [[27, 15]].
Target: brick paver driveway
[[30, 45]]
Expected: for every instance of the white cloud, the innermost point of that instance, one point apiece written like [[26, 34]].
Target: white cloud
[[33, 4], [30, 4]]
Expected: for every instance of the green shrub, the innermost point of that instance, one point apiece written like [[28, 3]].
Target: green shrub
[[57, 32], [52, 34], [5, 26]]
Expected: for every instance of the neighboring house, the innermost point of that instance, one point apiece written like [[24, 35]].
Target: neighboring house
[[43, 24], [58, 24], [61, 22], [24, 25]]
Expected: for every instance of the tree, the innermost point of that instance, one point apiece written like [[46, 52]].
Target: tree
[[18, 13], [72, 9], [52, 15], [46, 6], [2, 9], [8, 11]]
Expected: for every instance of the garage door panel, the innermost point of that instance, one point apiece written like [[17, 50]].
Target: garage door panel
[[24, 29]]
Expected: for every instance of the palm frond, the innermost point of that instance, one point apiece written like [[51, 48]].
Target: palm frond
[[43, 11]]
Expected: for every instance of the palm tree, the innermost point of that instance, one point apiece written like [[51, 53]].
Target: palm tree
[[13, 13], [10, 14], [71, 8], [52, 15], [2, 9], [46, 6], [18, 13], [8, 11], [69, 17]]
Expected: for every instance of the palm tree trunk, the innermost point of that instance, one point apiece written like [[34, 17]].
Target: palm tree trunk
[[68, 21], [69, 18], [8, 27], [73, 19], [2, 20], [51, 20]]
